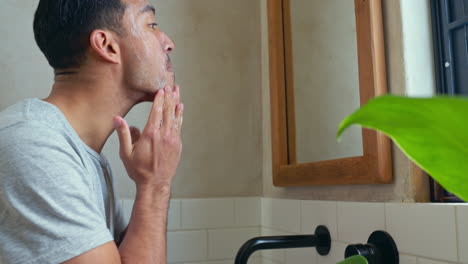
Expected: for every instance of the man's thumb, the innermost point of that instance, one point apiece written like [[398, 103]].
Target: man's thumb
[[125, 137]]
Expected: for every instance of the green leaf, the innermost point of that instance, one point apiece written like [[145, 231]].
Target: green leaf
[[433, 132], [354, 260]]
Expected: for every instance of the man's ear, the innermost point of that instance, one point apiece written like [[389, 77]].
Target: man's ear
[[105, 45]]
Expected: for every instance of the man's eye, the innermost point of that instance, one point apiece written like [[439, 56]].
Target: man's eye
[[153, 25]]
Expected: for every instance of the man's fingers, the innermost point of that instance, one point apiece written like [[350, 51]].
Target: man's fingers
[[135, 133], [125, 138], [177, 91], [156, 115], [179, 118], [169, 108]]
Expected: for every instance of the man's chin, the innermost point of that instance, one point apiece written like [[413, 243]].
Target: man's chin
[[147, 98]]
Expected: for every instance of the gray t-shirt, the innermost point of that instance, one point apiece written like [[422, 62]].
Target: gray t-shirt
[[56, 195]]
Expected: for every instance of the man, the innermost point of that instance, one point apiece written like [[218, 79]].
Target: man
[[56, 198]]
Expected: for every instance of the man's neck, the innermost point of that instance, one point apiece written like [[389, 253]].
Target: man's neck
[[90, 106]]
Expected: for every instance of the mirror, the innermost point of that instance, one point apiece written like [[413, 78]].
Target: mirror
[[325, 78], [326, 59]]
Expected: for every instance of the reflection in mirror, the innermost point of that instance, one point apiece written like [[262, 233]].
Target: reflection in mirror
[[325, 78]]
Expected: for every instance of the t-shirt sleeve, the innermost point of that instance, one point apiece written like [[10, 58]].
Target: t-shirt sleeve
[[48, 209], [120, 222]]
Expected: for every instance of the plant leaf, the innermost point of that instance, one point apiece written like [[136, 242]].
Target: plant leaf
[[354, 260], [433, 132]]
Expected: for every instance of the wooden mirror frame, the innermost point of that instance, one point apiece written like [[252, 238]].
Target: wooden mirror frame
[[375, 166]]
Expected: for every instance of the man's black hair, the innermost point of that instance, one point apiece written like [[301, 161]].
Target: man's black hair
[[62, 27]]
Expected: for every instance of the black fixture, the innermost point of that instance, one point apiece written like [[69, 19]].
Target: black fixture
[[380, 249], [321, 241]]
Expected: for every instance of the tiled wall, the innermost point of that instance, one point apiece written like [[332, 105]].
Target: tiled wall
[[424, 233], [209, 231], [212, 230]]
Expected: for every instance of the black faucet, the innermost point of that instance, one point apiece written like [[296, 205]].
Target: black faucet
[[321, 241], [380, 249]]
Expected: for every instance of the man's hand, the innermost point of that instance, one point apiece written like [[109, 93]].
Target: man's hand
[[151, 159]]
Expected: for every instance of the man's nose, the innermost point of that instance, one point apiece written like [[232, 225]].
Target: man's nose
[[168, 43]]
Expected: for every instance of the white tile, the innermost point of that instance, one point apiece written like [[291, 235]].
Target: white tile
[[248, 211], [228, 261], [252, 261], [255, 258], [173, 217], [281, 214], [336, 254], [207, 213], [315, 213], [187, 246], [213, 262], [405, 259], [277, 255], [357, 221], [269, 261], [423, 229], [428, 261], [267, 211], [462, 220], [301, 256], [266, 231], [225, 243]]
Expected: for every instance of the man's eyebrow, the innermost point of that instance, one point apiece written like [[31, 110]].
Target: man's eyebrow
[[148, 8]]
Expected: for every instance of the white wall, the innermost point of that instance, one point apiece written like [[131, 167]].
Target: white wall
[[223, 142], [217, 63], [24, 71], [212, 230], [418, 48]]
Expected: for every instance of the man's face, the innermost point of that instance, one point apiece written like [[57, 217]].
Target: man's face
[[145, 49]]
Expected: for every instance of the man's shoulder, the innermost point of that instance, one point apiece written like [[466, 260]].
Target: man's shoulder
[[26, 131], [13, 114], [16, 120], [36, 141], [33, 141], [29, 117], [33, 153]]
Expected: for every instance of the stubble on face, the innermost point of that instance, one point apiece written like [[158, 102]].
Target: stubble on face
[[169, 77], [148, 63]]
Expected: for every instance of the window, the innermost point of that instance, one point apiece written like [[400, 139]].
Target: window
[[450, 34]]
